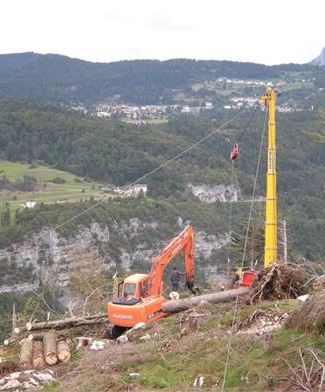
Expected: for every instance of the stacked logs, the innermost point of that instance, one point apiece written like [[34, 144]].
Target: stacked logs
[[38, 351]]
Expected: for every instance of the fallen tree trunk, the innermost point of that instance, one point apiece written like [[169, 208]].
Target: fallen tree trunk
[[26, 353], [50, 348], [214, 298], [67, 323], [63, 351], [10, 340], [38, 354]]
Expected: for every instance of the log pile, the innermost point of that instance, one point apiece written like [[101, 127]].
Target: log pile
[[279, 281], [37, 351]]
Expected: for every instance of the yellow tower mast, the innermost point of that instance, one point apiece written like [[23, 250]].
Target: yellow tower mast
[[271, 218]]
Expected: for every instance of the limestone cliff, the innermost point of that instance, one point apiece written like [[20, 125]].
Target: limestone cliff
[[51, 259]]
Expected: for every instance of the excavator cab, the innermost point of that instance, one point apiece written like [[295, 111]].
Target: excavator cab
[[133, 305], [132, 289]]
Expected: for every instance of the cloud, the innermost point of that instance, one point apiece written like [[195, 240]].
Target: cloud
[[171, 25], [102, 30]]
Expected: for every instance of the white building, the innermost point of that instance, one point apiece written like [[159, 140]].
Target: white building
[[30, 204]]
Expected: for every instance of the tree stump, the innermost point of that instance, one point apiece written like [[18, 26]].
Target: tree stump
[[50, 348]]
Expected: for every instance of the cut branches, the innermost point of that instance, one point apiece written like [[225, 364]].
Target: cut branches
[[279, 281]]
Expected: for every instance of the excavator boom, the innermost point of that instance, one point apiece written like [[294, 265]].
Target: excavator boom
[[184, 241]]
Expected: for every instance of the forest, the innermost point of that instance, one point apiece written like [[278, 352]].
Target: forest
[[118, 153]]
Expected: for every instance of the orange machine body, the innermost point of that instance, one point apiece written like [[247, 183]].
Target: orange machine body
[[137, 307], [140, 296]]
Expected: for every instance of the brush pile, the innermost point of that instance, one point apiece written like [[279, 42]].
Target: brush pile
[[319, 283], [279, 281], [310, 316], [8, 367], [261, 322], [309, 376]]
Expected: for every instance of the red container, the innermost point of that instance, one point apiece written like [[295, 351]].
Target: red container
[[247, 278]]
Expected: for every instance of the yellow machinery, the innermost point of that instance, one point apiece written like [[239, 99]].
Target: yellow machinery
[[271, 219]]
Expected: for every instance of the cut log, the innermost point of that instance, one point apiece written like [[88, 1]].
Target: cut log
[[35, 337], [38, 354], [26, 353], [67, 323], [63, 351], [50, 348], [10, 340], [214, 298]]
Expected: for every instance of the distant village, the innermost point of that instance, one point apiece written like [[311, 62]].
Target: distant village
[[140, 114], [232, 100]]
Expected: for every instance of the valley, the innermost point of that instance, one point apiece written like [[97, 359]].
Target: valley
[[102, 163]]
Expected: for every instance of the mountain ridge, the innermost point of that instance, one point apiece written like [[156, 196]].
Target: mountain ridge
[[57, 79]]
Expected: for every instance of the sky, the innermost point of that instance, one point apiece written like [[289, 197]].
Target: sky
[[268, 32]]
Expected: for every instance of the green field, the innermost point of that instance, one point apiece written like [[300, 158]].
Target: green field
[[73, 189]]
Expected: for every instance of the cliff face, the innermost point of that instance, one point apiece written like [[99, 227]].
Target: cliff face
[[51, 260], [212, 193], [320, 60]]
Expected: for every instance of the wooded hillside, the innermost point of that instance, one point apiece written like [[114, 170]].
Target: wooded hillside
[[59, 79], [119, 153]]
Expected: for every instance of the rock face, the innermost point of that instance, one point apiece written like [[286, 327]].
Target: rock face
[[51, 259], [207, 243], [320, 60], [213, 193]]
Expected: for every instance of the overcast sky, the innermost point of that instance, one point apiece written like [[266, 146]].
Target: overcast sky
[[269, 32]]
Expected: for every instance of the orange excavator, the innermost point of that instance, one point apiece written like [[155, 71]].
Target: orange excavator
[[140, 296]]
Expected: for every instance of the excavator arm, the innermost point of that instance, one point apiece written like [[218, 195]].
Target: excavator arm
[[184, 241]]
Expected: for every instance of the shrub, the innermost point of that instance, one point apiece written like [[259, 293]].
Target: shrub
[[58, 180]]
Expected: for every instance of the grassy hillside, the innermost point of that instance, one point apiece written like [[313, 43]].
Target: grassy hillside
[[51, 185], [179, 352]]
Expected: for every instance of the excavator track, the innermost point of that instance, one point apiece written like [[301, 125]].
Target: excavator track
[[114, 331]]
